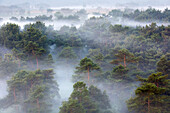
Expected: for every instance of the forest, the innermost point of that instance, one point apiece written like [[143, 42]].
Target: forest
[[149, 15], [114, 68]]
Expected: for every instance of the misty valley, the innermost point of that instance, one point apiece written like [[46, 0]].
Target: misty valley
[[84, 60]]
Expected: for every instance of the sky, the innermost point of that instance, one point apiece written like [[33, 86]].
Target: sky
[[87, 2]]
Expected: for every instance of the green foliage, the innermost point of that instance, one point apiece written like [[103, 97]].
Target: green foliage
[[150, 14], [100, 98], [9, 65], [139, 47], [86, 64], [150, 95], [9, 35], [123, 55], [116, 13], [119, 74], [33, 91], [81, 12], [120, 69], [118, 28], [37, 18], [72, 106], [157, 78], [80, 96], [96, 55], [33, 42], [68, 37], [60, 16], [38, 25], [29, 42], [163, 64], [67, 53], [50, 59], [147, 49], [83, 100]]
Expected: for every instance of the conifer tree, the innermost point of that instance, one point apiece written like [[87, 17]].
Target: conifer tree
[[86, 65], [79, 98], [67, 53], [124, 56], [163, 64], [84, 100], [151, 95], [33, 91]]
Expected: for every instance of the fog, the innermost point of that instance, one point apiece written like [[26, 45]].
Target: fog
[[3, 84], [3, 88], [56, 25], [62, 68], [64, 71], [63, 76], [132, 23], [88, 2]]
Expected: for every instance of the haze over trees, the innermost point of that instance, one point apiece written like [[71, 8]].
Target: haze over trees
[[32, 91], [84, 100], [151, 95], [113, 68], [148, 15]]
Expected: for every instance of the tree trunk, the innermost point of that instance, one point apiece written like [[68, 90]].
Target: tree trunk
[[38, 106], [148, 105], [124, 61]]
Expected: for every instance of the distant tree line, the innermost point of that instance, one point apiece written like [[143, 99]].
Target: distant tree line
[[148, 15]]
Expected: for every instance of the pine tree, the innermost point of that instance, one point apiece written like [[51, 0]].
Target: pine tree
[[50, 60], [9, 35], [86, 100], [79, 98], [120, 73], [67, 53], [163, 64], [33, 91], [150, 95], [72, 106], [34, 43], [96, 55], [100, 98], [124, 56], [86, 65], [158, 79]]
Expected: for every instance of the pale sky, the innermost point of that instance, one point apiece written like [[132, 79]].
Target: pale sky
[[87, 2]]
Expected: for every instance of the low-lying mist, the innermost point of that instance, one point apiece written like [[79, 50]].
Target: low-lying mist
[[96, 34], [3, 88], [132, 23], [63, 75], [56, 25]]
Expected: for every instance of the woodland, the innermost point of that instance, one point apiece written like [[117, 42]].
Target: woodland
[[110, 62]]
